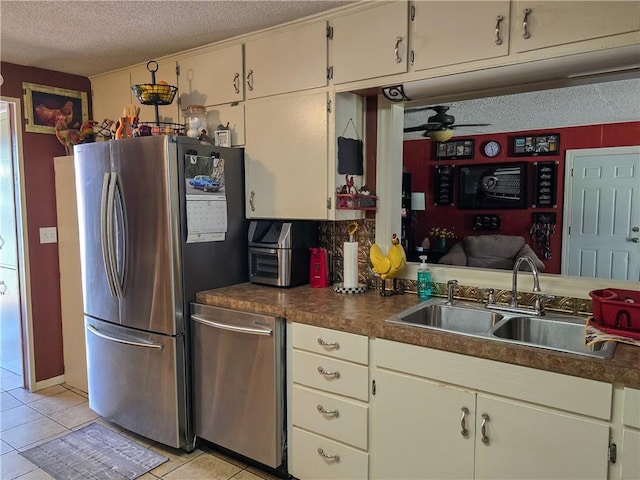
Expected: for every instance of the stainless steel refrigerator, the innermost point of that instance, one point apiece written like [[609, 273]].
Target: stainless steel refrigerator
[[160, 218]]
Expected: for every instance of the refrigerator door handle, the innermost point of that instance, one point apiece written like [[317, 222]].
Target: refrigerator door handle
[[105, 239], [98, 333], [233, 328], [121, 218]]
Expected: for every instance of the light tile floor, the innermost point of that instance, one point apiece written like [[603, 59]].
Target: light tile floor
[[28, 419]]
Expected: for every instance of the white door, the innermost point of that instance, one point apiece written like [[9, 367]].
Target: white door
[[11, 334], [601, 231]]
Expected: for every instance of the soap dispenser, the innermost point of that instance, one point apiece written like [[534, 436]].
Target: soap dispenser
[[424, 279]]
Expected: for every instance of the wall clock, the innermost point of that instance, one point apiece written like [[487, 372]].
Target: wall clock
[[491, 149]]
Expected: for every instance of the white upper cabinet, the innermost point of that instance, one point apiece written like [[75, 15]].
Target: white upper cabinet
[[447, 33], [541, 24], [111, 92], [286, 157], [370, 43], [287, 61], [213, 77], [166, 72]]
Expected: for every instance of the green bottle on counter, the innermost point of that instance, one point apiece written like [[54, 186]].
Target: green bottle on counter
[[424, 279]]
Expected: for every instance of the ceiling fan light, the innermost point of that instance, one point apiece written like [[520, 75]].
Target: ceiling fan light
[[440, 135]]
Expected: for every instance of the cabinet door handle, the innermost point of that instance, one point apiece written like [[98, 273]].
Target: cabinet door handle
[[250, 80], [483, 429], [3, 288], [397, 50], [330, 413], [251, 197], [328, 345], [327, 373], [236, 82], [463, 422], [335, 458], [525, 23], [499, 19]]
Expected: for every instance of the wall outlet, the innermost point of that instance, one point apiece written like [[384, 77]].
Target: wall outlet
[[48, 235]]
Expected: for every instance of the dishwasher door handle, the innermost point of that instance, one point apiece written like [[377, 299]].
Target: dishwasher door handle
[[232, 328]]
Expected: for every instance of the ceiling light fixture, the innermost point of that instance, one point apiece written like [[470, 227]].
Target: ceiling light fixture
[[440, 135]]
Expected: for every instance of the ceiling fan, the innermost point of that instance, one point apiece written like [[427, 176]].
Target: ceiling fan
[[441, 126]]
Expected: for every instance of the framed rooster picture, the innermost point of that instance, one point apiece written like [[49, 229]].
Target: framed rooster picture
[[45, 107]]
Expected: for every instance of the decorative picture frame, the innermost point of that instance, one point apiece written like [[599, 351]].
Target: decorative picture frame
[[455, 150], [493, 185], [545, 184], [536, 145], [43, 105], [443, 178], [222, 138]]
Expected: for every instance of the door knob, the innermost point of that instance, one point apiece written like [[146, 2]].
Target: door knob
[[635, 229], [635, 240]]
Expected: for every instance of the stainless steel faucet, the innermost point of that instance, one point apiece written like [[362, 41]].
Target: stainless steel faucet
[[514, 281], [513, 306], [451, 286]]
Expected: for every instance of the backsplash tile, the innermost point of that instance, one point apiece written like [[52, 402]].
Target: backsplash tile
[[332, 235]]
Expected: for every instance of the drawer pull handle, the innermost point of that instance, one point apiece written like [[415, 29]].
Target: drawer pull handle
[[335, 458], [463, 422], [328, 345], [499, 19], [331, 413], [397, 50], [525, 23], [483, 429], [327, 373]]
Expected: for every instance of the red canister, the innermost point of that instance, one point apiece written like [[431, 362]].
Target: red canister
[[319, 268]]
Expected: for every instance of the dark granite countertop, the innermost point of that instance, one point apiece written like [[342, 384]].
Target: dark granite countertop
[[365, 314]]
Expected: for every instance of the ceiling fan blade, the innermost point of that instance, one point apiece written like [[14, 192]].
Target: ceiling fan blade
[[419, 128], [424, 126], [470, 125]]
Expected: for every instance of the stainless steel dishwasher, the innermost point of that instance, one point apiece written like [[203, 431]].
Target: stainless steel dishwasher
[[238, 382]]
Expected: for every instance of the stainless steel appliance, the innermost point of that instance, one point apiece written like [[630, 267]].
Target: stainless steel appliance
[[279, 251], [160, 218], [239, 390]]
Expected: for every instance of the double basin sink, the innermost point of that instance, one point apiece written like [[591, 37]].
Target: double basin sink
[[561, 333]]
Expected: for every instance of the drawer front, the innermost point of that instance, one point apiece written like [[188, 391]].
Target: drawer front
[[331, 375], [308, 463], [331, 416], [335, 344], [631, 412]]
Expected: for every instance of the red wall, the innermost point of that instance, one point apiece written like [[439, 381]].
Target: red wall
[[419, 160], [38, 152]]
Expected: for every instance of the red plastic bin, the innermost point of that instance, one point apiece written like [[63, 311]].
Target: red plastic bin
[[617, 309]]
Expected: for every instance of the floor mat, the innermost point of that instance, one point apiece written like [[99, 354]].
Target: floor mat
[[93, 453]]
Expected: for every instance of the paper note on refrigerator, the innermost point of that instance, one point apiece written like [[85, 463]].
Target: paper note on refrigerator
[[206, 218]]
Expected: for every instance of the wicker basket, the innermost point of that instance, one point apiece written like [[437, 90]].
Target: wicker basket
[[154, 93]]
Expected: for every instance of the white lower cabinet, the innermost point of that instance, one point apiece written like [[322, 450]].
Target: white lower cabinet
[[329, 404], [524, 441], [416, 432], [630, 452], [425, 425]]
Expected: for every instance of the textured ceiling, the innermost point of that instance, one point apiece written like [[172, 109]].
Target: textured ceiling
[[606, 102], [91, 37]]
